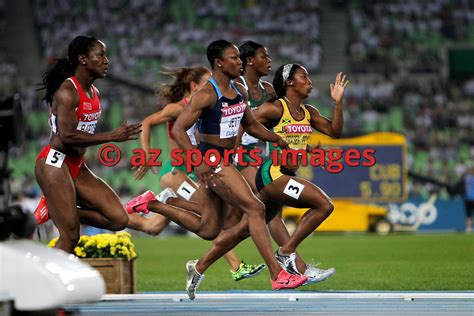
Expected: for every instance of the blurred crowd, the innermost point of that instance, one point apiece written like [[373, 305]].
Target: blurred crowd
[[8, 69], [150, 34], [437, 116], [406, 34]]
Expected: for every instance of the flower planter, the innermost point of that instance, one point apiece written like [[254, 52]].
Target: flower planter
[[118, 274]]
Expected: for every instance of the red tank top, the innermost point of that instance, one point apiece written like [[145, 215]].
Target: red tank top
[[87, 111], [171, 123]]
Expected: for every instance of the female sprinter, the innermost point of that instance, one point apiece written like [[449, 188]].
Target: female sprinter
[[72, 193]]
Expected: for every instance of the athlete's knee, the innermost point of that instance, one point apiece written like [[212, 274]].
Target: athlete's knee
[[255, 209], [244, 232], [119, 221], [166, 180], [327, 207], [209, 234]]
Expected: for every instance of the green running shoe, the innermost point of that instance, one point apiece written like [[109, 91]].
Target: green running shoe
[[247, 271]]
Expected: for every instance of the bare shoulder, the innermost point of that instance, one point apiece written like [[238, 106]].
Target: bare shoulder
[[274, 107], [238, 80], [268, 87], [66, 94], [173, 109], [205, 97], [241, 89], [312, 109]]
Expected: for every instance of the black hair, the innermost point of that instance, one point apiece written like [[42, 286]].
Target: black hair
[[65, 67], [215, 50], [279, 84], [248, 49]]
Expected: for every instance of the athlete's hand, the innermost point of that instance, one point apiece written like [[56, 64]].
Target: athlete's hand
[[141, 171], [126, 132], [204, 172], [337, 88], [281, 143]]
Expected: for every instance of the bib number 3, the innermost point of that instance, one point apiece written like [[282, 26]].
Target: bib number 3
[[293, 189], [55, 158]]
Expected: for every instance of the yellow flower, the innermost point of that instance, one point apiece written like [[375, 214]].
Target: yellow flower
[[79, 251], [133, 254], [103, 246], [125, 252], [113, 240], [83, 240], [102, 243], [53, 242]]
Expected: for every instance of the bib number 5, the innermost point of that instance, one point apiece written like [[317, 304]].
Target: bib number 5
[[55, 158]]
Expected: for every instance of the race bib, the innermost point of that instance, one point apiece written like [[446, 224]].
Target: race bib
[[230, 119], [88, 127], [186, 190], [55, 158], [293, 189]]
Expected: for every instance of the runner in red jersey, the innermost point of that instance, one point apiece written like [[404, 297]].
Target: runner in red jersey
[[73, 194]]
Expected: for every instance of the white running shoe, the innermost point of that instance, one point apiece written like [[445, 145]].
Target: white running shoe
[[164, 195], [287, 262], [193, 280], [316, 275]]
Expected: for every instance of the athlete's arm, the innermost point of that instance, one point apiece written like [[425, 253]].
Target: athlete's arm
[[241, 87], [332, 127], [169, 113], [255, 127], [204, 98], [271, 94], [268, 113], [66, 100]]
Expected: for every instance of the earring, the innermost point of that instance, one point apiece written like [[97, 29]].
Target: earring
[[251, 64], [84, 63], [219, 65]]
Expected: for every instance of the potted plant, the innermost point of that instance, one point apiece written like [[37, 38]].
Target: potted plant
[[113, 255]]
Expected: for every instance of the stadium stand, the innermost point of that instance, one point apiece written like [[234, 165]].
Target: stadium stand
[[436, 115]]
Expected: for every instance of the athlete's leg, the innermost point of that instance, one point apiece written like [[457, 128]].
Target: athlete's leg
[[230, 185], [249, 175], [100, 205], [281, 236], [224, 242], [207, 225], [306, 195], [152, 225], [58, 189]]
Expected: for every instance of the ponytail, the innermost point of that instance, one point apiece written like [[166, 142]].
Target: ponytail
[[66, 67], [181, 86], [53, 78]]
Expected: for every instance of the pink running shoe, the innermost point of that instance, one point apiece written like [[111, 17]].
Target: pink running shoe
[[286, 280], [41, 213], [139, 204]]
